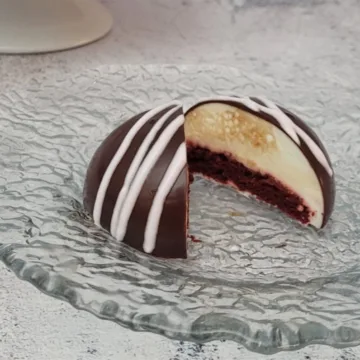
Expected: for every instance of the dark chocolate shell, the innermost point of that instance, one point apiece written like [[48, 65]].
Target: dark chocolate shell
[[136, 185]]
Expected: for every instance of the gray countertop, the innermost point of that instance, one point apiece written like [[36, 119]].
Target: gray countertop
[[34, 326]]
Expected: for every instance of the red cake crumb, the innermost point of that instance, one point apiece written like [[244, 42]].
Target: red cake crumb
[[194, 239], [224, 169], [191, 178]]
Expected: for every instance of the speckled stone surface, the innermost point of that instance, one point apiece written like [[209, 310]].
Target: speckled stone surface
[[34, 326]]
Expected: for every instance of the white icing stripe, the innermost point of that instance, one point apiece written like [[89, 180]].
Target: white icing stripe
[[143, 172], [117, 158], [314, 149], [290, 128], [135, 166], [285, 122], [172, 173]]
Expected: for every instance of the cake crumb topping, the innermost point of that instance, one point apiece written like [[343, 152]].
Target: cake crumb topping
[[228, 123]]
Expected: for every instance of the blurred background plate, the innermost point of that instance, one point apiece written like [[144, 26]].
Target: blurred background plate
[[256, 277], [36, 26]]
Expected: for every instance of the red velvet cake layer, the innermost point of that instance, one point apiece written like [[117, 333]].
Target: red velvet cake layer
[[224, 169]]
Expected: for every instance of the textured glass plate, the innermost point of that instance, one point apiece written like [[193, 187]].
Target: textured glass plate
[[257, 277]]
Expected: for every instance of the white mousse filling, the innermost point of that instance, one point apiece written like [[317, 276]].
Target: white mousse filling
[[258, 145]]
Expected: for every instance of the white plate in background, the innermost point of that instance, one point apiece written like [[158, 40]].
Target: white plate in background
[[36, 26]]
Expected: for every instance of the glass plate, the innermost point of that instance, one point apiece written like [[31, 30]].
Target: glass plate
[[256, 277]]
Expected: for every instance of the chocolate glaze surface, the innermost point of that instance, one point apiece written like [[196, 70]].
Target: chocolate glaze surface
[[172, 230]]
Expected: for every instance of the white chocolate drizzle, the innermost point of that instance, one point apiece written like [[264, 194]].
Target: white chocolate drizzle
[[143, 172], [105, 181], [139, 157], [172, 173]]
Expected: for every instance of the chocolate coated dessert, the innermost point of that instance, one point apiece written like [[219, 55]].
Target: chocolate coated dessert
[[137, 184]]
